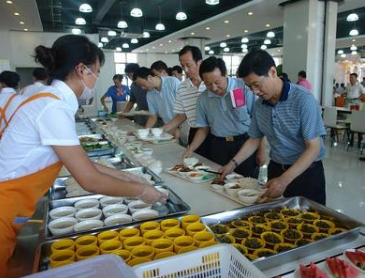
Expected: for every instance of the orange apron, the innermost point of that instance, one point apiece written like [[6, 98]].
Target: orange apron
[[3, 110], [19, 197]]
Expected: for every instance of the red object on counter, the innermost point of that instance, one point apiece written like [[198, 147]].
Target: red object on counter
[[341, 269], [312, 271]]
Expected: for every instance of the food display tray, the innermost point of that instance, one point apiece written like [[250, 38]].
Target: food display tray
[[175, 206], [353, 226], [144, 170], [164, 137], [208, 176]]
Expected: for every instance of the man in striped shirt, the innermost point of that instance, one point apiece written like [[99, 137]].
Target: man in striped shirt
[[190, 58], [290, 119]]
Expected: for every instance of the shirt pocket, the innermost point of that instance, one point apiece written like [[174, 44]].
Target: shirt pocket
[[240, 114]]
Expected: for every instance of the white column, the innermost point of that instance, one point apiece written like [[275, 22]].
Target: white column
[[195, 41]]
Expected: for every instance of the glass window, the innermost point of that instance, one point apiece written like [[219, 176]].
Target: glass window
[[120, 57]]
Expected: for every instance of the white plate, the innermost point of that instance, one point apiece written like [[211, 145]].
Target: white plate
[[61, 226], [62, 212], [87, 203], [138, 205], [88, 214], [115, 209], [88, 225], [118, 219], [144, 214], [233, 176], [108, 201], [351, 263]]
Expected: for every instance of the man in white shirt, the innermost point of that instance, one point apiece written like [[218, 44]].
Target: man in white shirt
[[9, 81], [354, 90], [40, 79]]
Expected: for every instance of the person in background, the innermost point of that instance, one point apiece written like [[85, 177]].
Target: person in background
[[159, 68], [169, 71], [9, 81], [354, 90], [137, 95], [41, 137], [117, 92], [302, 81], [226, 124], [292, 123], [40, 79], [340, 90], [161, 94], [285, 76], [363, 82], [177, 72]]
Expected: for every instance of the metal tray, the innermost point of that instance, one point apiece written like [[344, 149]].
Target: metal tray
[[144, 170], [102, 152], [301, 203], [174, 207]]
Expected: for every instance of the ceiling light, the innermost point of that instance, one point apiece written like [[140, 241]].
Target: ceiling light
[[26, 30], [192, 33], [76, 31], [267, 41], [246, 31], [211, 52], [223, 44], [267, 25], [112, 33], [160, 27], [353, 48], [100, 45], [353, 52], [80, 21], [339, 52], [134, 40], [270, 34], [228, 35], [207, 48], [208, 28], [146, 34], [9, 2], [353, 40], [161, 44], [122, 24], [226, 49], [212, 2], [250, 13], [16, 14], [279, 50], [147, 50], [226, 21], [85, 8], [245, 40], [125, 45], [119, 49], [181, 16], [104, 39], [170, 41], [352, 17], [136, 12], [343, 55], [354, 32], [21, 22], [244, 50], [263, 47], [244, 45]]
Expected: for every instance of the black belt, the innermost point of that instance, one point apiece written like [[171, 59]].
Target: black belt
[[231, 138], [285, 167]]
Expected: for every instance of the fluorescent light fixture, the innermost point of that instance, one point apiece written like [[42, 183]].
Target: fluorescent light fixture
[[226, 21], [207, 48], [211, 52], [122, 24], [192, 33], [343, 55], [354, 53], [263, 47], [112, 33], [244, 45], [17, 14], [212, 2], [26, 30], [134, 40], [267, 25], [125, 45], [226, 49], [80, 21], [9, 2], [146, 34], [21, 22], [270, 34], [352, 17], [223, 44], [85, 8], [354, 32], [250, 13], [207, 28], [136, 12], [100, 45], [267, 41], [181, 16], [76, 31], [245, 40], [353, 47], [244, 50], [246, 31], [104, 40], [160, 27], [340, 52], [119, 49]]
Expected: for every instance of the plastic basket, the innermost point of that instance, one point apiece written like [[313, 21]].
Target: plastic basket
[[218, 261], [110, 266]]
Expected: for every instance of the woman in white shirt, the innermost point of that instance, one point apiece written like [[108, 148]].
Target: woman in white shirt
[[41, 137]]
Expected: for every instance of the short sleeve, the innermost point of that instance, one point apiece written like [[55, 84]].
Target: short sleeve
[[179, 107], [56, 126], [254, 130], [132, 92], [311, 120], [152, 107], [201, 116], [250, 99], [126, 90], [109, 92]]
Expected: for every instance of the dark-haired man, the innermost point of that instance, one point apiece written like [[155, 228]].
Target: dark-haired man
[[354, 90], [161, 94], [176, 71], [225, 122], [9, 81], [117, 92], [40, 79], [159, 68], [290, 119], [302, 81]]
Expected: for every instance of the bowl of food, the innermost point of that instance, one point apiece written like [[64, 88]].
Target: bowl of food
[[232, 188], [233, 177], [144, 214], [88, 225], [202, 168], [88, 214], [292, 235], [62, 212], [248, 196], [143, 132], [108, 201], [115, 209], [253, 243], [118, 219], [61, 226], [138, 205], [190, 162], [240, 233], [324, 225], [217, 187], [87, 204], [271, 238], [219, 229], [157, 131], [196, 176]]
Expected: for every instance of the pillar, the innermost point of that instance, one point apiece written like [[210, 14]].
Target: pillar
[[195, 41]]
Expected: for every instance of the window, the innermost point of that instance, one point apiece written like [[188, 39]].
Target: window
[[121, 60], [232, 63]]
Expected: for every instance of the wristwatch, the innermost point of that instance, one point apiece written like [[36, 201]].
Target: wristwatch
[[235, 162]]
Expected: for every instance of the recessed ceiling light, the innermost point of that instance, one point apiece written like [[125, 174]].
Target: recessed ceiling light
[[245, 40], [125, 45], [343, 55], [21, 22], [339, 52], [170, 41], [165, 52], [181, 16], [104, 39], [146, 34], [353, 48], [212, 2], [25, 29], [17, 14], [207, 48], [147, 50], [173, 50], [208, 28], [246, 31], [263, 47], [354, 32], [134, 40], [223, 44], [279, 50], [211, 52], [76, 31], [270, 34], [226, 21], [352, 17], [85, 8], [119, 49], [122, 24], [353, 52], [100, 45], [9, 2], [192, 33], [160, 27], [244, 45], [267, 41], [136, 12], [112, 33], [153, 47], [228, 35], [250, 13], [80, 21], [354, 40], [161, 44], [226, 49], [244, 50], [267, 25]]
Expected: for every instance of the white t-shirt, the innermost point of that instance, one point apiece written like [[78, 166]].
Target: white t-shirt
[[354, 92], [26, 145], [32, 89], [5, 95]]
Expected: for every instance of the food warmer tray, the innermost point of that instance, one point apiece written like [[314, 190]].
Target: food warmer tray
[[144, 170], [353, 226]]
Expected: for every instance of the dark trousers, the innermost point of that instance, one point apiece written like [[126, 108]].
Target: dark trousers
[[222, 151], [310, 184], [204, 148]]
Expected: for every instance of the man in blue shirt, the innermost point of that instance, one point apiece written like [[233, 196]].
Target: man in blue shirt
[[290, 118], [118, 92]]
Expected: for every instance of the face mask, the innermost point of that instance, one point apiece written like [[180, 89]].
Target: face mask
[[89, 93]]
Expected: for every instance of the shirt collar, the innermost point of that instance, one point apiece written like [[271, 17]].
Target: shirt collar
[[8, 90], [284, 93], [66, 94], [201, 88]]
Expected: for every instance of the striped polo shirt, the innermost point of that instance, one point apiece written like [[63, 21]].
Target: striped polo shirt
[[186, 97], [288, 124], [218, 113]]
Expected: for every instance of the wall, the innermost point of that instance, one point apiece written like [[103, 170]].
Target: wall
[[145, 60]]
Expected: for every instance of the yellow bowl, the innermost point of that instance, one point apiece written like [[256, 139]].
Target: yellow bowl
[[259, 229], [273, 216], [282, 247], [251, 257], [272, 238], [162, 245], [174, 233], [248, 243], [63, 244], [307, 229], [294, 222], [226, 239], [278, 226], [143, 251], [194, 228], [124, 254], [303, 241], [189, 219], [310, 217], [133, 242], [207, 244], [62, 256], [264, 252], [110, 245], [187, 249], [169, 224], [219, 229], [257, 220], [241, 248], [287, 235], [136, 261], [58, 264], [128, 233], [149, 226], [183, 242], [86, 252], [107, 235], [287, 213], [240, 233], [202, 237], [324, 225], [241, 224], [335, 231], [153, 235], [85, 241], [163, 255], [319, 236]]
